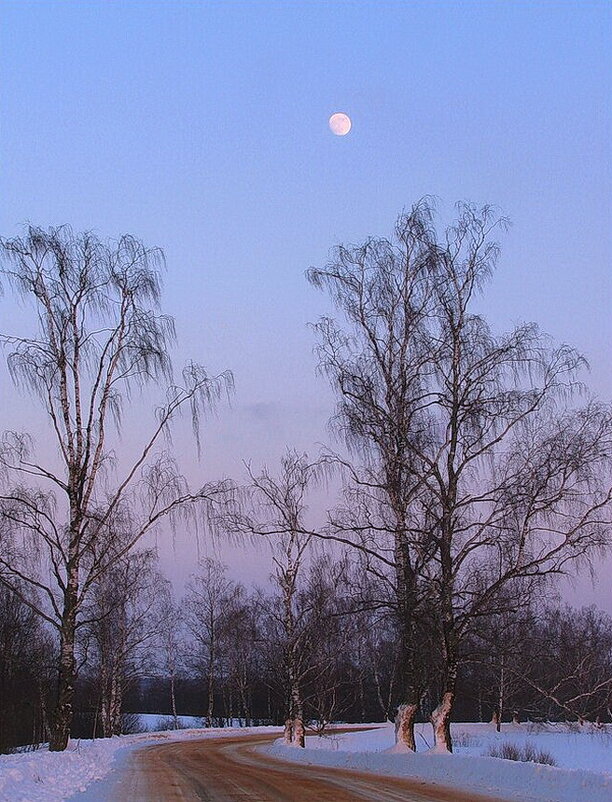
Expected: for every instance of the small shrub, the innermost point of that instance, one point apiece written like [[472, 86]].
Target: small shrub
[[506, 751], [527, 753], [464, 739], [168, 723], [17, 750], [130, 724], [542, 756]]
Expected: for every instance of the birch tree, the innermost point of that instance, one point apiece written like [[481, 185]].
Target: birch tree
[[517, 478], [209, 603], [482, 472], [123, 619], [277, 511], [99, 336], [377, 361], [171, 643]]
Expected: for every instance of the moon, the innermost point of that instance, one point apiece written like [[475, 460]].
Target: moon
[[340, 123]]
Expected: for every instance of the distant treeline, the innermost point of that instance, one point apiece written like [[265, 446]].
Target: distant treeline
[[222, 656]]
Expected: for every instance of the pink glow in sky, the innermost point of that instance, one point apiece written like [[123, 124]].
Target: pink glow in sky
[[200, 127]]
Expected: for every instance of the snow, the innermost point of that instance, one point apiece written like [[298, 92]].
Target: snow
[[44, 776], [154, 722], [583, 758], [49, 776]]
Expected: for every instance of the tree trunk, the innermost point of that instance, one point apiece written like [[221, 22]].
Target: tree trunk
[[406, 611], [62, 715], [441, 716], [294, 724], [105, 692], [298, 735], [440, 719], [299, 731], [500, 698], [175, 721], [404, 726], [211, 690], [116, 704], [362, 715], [245, 702]]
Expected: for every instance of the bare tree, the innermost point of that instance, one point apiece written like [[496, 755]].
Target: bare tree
[[278, 513], [329, 633], [517, 488], [569, 663], [100, 335], [500, 480], [122, 618], [242, 654], [171, 642], [379, 369], [209, 603], [494, 656]]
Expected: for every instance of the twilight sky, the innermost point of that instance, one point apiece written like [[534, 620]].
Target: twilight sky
[[202, 127]]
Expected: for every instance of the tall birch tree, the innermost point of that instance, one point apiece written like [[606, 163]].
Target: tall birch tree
[[377, 361], [478, 470], [99, 335]]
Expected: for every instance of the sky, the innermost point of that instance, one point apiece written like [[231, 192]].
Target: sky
[[201, 127]]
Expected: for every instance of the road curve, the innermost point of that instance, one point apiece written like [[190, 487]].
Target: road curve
[[232, 770]]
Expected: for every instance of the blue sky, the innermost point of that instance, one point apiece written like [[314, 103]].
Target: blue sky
[[202, 127]]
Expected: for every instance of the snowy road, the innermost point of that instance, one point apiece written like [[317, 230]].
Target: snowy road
[[233, 770]]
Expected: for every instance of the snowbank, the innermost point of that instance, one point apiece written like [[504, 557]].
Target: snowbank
[[583, 771], [45, 776]]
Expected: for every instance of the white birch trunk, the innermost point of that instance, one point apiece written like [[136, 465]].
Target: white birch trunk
[[404, 726], [440, 720]]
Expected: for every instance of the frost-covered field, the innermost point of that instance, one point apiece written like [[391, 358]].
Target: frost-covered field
[[583, 772]]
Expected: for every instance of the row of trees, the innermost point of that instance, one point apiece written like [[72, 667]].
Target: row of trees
[[474, 475], [227, 655], [473, 471]]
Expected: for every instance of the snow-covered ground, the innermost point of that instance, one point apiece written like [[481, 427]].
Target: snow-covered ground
[[44, 776], [583, 771], [154, 722]]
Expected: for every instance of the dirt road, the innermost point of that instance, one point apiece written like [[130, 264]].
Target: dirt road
[[232, 770]]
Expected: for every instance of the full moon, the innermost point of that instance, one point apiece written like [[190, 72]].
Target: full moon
[[340, 123]]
